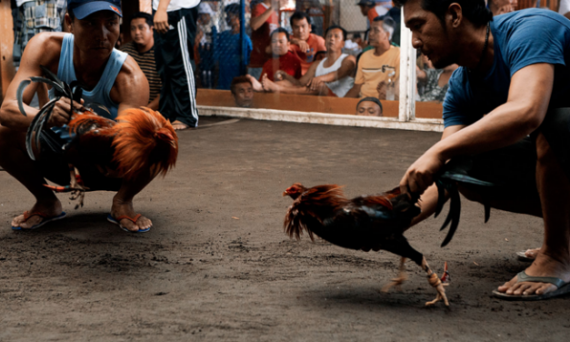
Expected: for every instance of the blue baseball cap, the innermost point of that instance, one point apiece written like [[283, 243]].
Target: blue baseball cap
[[84, 8]]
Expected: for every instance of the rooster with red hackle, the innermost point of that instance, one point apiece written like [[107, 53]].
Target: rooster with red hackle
[[362, 223], [140, 142]]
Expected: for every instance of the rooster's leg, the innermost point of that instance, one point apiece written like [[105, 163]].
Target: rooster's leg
[[399, 280], [434, 281], [76, 184]]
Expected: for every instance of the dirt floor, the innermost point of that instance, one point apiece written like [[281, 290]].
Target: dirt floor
[[217, 266]]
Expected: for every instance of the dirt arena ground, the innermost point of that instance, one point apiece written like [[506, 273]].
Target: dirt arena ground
[[217, 266]]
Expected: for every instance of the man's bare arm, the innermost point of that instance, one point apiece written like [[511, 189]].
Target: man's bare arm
[[154, 103], [42, 49], [161, 17], [346, 68], [131, 89], [354, 91], [527, 103], [257, 22]]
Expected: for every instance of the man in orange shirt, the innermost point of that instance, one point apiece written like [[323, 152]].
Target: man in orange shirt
[[304, 44], [263, 21], [374, 8]]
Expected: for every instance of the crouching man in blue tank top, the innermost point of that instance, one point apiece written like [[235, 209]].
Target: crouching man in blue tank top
[[109, 77]]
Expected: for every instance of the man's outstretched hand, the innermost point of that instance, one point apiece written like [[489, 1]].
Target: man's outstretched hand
[[421, 174]]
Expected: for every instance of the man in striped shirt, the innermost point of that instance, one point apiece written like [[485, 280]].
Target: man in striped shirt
[[141, 48]]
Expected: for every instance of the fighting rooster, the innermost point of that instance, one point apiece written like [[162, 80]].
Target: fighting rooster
[[140, 142], [362, 223]]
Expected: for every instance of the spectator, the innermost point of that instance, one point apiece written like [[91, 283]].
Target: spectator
[[227, 49], [330, 77], [304, 44], [283, 59], [564, 8], [141, 48], [32, 17], [374, 8], [499, 7], [369, 106], [242, 90], [263, 21], [175, 22], [206, 33], [435, 81], [382, 64]]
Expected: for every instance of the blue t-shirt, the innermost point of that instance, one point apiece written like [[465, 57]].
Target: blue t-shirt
[[521, 38], [228, 55]]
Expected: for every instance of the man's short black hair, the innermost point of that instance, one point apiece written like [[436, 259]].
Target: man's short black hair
[[147, 17], [232, 9], [280, 30], [298, 15], [332, 27], [238, 80], [474, 10]]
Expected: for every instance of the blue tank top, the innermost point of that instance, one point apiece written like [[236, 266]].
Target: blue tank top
[[101, 93]]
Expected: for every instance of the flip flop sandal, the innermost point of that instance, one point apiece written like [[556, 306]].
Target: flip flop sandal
[[563, 288], [134, 220], [45, 220]]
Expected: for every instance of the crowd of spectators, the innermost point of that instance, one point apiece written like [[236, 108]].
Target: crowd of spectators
[[289, 59]]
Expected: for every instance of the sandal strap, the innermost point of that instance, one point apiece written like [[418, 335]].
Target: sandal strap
[[27, 215], [132, 219], [523, 277]]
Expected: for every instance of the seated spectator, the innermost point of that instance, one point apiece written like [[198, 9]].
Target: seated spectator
[[304, 44], [263, 21], [382, 64], [499, 7], [204, 44], [141, 48], [242, 90], [227, 50], [330, 77], [283, 59], [374, 8], [435, 81], [369, 106]]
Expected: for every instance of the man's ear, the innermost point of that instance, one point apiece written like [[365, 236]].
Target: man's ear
[[454, 15], [69, 22]]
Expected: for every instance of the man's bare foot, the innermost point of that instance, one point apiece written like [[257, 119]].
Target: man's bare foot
[[543, 266], [48, 208], [179, 126], [126, 209]]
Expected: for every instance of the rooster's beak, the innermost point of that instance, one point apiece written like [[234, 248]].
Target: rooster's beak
[[285, 193]]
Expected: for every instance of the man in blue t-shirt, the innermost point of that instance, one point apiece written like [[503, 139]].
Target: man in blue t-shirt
[[227, 49], [515, 71]]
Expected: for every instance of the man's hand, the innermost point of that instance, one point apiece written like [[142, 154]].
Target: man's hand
[[302, 45], [161, 21], [61, 113], [421, 174], [316, 83]]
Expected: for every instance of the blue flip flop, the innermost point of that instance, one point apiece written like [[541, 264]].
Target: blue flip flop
[[134, 220], [46, 220], [563, 288]]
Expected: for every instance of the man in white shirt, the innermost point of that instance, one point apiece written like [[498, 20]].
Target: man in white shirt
[[174, 32]]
